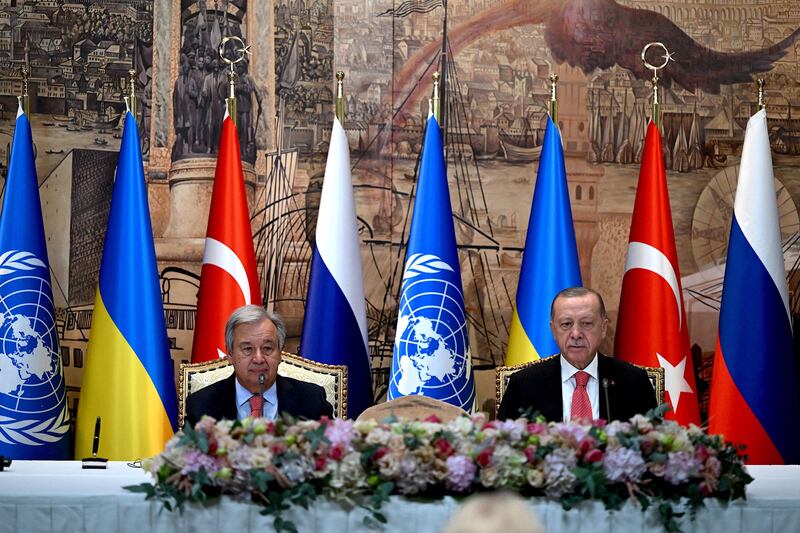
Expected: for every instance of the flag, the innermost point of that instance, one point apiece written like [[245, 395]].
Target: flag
[[652, 327], [335, 323], [34, 422], [128, 378], [412, 6], [550, 260], [755, 395], [431, 348], [228, 279]]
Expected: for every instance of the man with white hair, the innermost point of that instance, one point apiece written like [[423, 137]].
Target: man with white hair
[[254, 340]]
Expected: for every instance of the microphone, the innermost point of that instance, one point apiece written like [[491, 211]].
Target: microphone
[[261, 379], [606, 382]]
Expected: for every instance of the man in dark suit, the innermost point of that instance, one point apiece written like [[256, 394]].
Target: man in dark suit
[[580, 382], [254, 339]]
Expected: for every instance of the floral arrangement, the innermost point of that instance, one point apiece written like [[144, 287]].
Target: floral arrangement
[[283, 463]]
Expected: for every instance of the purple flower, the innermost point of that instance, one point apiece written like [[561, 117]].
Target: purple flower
[[571, 431], [460, 473], [623, 464], [341, 432], [196, 459], [513, 428], [559, 478], [680, 467]]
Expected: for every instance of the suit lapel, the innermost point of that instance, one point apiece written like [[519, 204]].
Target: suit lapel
[[604, 371], [227, 404], [287, 400], [553, 404]]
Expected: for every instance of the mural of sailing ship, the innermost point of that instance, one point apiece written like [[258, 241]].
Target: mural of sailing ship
[[521, 143]]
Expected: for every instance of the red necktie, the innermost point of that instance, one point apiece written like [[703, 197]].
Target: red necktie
[[581, 406], [257, 404]]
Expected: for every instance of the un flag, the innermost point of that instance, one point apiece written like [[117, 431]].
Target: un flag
[[431, 350], [33, 410]]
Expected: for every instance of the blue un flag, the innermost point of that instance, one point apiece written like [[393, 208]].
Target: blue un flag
[[34, 423], [431, 348]]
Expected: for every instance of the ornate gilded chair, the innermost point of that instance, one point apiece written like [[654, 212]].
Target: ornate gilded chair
[[332, 378], [503, 373]]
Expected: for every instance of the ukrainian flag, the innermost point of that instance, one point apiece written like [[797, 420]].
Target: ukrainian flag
[[128, 378], [550, 260]]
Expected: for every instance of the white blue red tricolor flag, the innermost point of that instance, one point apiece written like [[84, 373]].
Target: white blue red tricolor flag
[[335, 323], [755, 395]]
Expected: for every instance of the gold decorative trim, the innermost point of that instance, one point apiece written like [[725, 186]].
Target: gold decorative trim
[[501, 375]]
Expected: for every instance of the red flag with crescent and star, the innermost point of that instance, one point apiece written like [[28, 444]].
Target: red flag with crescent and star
[[229, 277], [651, 326]]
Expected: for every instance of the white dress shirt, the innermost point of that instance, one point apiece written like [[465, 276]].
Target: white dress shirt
[[270, 408], [568, 387]]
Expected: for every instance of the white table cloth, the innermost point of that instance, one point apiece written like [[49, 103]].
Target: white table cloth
[[48, 496]]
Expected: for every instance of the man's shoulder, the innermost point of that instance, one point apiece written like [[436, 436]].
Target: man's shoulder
[[537, 369], [297, 385], [622, 367], [213, 390]]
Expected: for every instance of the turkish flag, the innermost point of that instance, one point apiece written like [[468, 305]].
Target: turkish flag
[[652, 327], [229, 278]]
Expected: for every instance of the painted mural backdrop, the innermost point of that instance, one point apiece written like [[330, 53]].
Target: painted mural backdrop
[[496, 64]]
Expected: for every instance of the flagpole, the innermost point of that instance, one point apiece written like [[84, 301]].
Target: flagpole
[[242, 51], [435, 102], [667, 57], [24, 100], [761, 103], [340, 97], [553, 98], [441, 115], [130, 99]]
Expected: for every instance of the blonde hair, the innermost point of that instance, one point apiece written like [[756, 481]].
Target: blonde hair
[[494, 512]]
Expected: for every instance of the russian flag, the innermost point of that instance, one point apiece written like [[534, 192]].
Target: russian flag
[[335, 323], [755, 395], [128, 380]]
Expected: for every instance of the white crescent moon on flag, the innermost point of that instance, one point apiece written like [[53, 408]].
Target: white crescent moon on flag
[[219, 255], [644, 256]]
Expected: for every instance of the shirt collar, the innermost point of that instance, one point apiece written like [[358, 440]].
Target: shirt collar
[[567, 370], [243, 395]]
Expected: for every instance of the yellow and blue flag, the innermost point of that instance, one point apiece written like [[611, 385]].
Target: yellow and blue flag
[[550, 259], [34, 423], [128, 377], [431, 348]]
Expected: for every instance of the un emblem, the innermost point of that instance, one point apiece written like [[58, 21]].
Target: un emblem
[[431, 350], [32, 392]]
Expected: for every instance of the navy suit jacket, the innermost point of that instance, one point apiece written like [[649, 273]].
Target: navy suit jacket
[[538, 388], [297, 398]]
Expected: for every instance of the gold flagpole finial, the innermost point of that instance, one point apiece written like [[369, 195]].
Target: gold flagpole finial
[[242, 50], [554, 98], [762, 104], [130, 98], [340, 97], [24, 100], [435, 102], [667, 57]]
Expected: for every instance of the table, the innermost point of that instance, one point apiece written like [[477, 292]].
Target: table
[[53, 496]]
